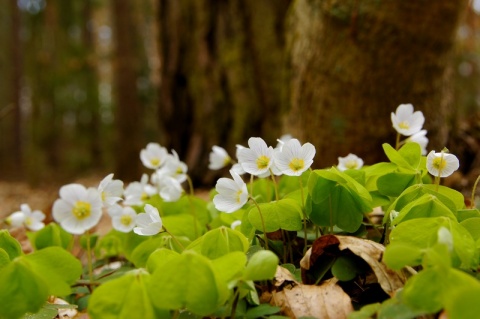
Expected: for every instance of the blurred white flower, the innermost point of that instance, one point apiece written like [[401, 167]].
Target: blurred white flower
[[294, 158], [442, 164], [171, 190], [78, 209], [256, 159], [123, 218], [218, 158], [351, 161], [406, 121], [174, 168], [137, 192], [32, 220], [421, 139], [281, 141], [232, 194], [110, 190], [148, 223], [153, 156], [445, 237], [235, 224]]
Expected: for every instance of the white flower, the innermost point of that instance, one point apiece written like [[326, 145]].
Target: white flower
[[407, 122], [232, 194], [421, 139], [218, 158], [137, 192], [442, 164], [148, 223], [171, 190], [123, 218], [294, 159], [78, 209], [153, 156], [173, 167], [235, 224], [32, 220], [281, 141], [351, 161], [111, 190], [257, 159], [445, 237]]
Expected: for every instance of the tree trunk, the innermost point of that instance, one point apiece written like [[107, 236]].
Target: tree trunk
[[353, 62], [128, 120], [16, 85], [221, 75]]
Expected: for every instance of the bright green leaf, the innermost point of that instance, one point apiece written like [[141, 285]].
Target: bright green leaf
[[159, 257], [472, 225], [424, 206], [400, 254], [395, 157], [10, 244], [261, 266], [22, 290], [283, 214], [464, 303], [393, 184], [230, 266], [412, 153], [52, 235], [4, 258], [220, 241], [124, 298], [187, 281], [58, 268]]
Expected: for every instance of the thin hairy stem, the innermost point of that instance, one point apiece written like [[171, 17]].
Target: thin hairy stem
[[262, 221]]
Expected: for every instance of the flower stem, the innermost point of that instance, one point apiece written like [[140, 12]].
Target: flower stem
[[174, 238], [263, 222], [192, 207], [304, 215], [274, 184], [397, 142], [89, 259], [474, 189]]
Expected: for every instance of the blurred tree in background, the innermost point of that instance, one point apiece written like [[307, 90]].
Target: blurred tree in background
[[87, 84]]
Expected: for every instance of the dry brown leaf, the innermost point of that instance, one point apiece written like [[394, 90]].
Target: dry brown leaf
[[327, 301], [372, 253]]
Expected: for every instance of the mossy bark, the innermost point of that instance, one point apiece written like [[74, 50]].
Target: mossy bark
[[353, 62]]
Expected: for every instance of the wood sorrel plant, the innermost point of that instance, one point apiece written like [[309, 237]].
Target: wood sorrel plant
[[201, 267]]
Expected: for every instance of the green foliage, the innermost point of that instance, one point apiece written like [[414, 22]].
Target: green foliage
[[51, 235], [336, 199], [283, 214]]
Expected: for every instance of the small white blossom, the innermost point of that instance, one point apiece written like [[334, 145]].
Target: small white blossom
[[351, 161], [137, 192], [232, 194], [442, 164], [256, 159], [281, 141], [406, 121], [153, 156], [78, 209], [32, 220], [148, 223], [218, 158], [111, 190], [421, 139], [294, 159], [445, 237], [171, 189], [174, 168], [123, 218]]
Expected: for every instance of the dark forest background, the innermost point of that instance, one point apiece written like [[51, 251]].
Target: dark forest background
[[85, 85]]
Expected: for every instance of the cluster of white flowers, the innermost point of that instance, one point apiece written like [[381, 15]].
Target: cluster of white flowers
[[31, 220], [409, 123], [258, 159]]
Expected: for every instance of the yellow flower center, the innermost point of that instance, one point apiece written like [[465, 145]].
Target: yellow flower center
[[81, 210], [404, 125], [226, 160], [262, 162], [144, 196], [104, 196], [351, 164], [179, 170], [296, 164], [126, 220], [155, 161], [238, 195], [439, 163], [28, 221]]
